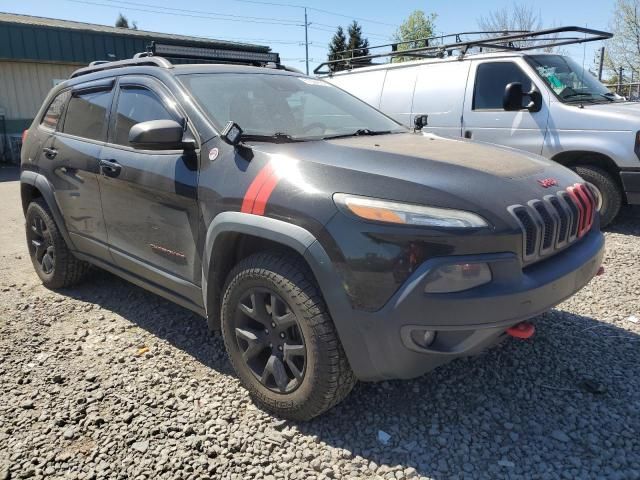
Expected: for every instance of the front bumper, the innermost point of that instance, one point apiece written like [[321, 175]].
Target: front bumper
[[379, 344]]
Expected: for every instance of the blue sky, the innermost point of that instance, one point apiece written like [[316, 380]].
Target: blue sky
[[283, 30]]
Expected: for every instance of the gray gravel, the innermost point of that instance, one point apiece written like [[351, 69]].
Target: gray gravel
[[109, 381]]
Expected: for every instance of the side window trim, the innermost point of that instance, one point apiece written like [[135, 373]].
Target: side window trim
[[90, 87], [156, 87], [475, 83]]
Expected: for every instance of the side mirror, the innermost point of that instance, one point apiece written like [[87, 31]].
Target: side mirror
[[158, 135], [420, 121], [232, 133], [514, 98]]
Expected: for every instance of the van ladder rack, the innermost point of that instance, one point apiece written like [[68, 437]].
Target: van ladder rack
[[446, 45]]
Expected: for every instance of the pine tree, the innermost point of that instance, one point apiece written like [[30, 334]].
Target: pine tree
[[122, 21], [338, 44], [357, 43]]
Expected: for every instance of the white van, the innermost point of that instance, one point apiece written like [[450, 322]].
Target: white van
[[543, 103]]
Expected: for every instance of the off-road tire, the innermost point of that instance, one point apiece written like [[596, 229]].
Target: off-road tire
[[609, 189], [328, 378], [67, 269]]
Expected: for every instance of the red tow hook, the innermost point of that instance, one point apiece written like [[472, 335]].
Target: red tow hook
[[522, 330]]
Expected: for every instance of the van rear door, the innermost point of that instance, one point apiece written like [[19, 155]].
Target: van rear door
[[485, 119]]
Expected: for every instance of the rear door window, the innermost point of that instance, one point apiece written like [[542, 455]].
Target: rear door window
[[491, 80], [54, 112], [137, 105], [87, 114]]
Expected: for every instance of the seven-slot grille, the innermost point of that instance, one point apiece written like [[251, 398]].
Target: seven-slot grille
[[555, 221]]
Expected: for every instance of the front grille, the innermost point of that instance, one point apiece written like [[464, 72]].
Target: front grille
[[555, 221]]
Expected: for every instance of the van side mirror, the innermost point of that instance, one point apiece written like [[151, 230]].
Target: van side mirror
[[420, 121], [514, 98], [158, 135]]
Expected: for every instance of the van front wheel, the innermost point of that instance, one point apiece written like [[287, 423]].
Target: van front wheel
[[609, 189]]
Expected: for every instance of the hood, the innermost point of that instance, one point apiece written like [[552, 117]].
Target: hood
[[621, 116], [416, 168]]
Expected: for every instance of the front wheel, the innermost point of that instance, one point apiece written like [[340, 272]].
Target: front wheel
[[608, 188], [280, 339]]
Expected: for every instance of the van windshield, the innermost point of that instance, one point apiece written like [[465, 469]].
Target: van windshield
[[271, 106], [569, 81]]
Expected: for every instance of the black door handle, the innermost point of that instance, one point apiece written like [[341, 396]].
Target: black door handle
[[50, 153], [468, 134], [110, 168]]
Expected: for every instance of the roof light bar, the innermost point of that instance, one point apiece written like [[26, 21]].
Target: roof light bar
[[166, 50]]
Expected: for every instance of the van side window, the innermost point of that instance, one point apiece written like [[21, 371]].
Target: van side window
[[87, 114], [54, 112], [137, 105], [491, 80]]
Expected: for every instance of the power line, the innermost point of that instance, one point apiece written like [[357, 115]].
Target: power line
[[211, 17], [203, 12], [315, 9]]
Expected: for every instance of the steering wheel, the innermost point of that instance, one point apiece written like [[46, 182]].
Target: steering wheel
[[313, 125]]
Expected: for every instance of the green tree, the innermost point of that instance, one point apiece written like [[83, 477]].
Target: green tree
[[416, 27], [123, 22], [337, 46], [357, 43]]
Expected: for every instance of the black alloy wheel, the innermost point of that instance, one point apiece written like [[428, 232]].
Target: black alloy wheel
[[41, 245], [269, 337]]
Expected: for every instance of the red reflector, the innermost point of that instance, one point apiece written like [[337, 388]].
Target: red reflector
[[24, 136], [522, 330], [600, 271]]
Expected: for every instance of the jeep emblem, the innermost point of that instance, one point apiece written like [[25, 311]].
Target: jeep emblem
[[547, 182]]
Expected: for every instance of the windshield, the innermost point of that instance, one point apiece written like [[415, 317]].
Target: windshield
[[284, 106], [569, 81]]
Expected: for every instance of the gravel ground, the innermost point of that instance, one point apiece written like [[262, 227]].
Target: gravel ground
[[108, 381]]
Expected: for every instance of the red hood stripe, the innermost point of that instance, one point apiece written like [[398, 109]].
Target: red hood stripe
[[257, 195]]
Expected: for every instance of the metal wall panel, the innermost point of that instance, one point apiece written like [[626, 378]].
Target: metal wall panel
[[23, 87]]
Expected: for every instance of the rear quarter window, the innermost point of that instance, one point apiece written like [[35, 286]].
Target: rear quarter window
[[54, 112]]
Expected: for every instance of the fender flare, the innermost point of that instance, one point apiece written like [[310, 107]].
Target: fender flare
[[303, 242], [41, 183]]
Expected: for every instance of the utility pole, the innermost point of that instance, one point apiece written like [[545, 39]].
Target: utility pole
[[306, 39], [600, 63], [620, 80]]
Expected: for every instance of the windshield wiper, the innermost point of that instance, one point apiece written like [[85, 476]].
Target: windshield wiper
[[277, 137], [358, 133]]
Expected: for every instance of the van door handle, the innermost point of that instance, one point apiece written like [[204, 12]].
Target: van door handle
[[50, 153], [468, 134], [110, 168]]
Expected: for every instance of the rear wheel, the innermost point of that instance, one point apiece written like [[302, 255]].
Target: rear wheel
[[53, 261], [608, 188], [280, 338]]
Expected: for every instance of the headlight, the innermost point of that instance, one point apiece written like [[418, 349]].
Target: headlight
[[387, 211]]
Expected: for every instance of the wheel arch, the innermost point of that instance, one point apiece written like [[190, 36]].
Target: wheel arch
[[230, 229], [574, 158], [233, 236], [34, 185]]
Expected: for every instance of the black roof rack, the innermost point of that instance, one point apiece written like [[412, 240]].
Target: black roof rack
[[447, 45], [135, 61], [165, 55]]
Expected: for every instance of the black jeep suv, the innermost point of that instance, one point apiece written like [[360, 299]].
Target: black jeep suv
[[328, 242]]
